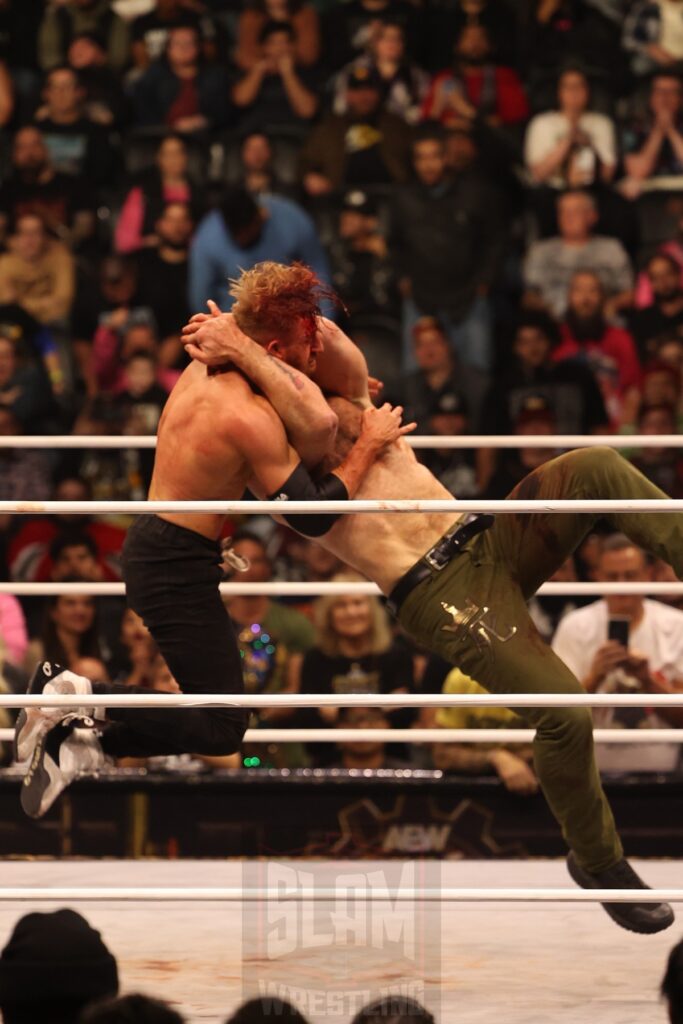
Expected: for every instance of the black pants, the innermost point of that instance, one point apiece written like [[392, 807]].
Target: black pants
[[172, 578]]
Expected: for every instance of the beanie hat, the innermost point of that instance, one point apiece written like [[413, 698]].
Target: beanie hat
[[55, 956]]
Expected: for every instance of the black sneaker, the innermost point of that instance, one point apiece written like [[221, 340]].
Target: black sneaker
[[646, 918], [60, 756]]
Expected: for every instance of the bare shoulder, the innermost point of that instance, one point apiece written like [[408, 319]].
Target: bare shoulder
[[248, 412]]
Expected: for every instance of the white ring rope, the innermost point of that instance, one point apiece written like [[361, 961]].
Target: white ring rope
[[342, 893], [506, 506], [496, 736], [340, 700], [67, 441], [333, 588]]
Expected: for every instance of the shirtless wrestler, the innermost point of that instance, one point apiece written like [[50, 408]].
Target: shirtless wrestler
[[461, 588], [216, 437]]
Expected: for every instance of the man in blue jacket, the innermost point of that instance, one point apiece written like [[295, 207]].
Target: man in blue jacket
[[243, 232]]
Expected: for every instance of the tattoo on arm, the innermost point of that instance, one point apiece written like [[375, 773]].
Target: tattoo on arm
[[294, 377]]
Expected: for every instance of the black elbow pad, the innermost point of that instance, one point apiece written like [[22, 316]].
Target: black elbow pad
[[301, 487]]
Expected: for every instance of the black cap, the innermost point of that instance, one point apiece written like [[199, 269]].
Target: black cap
[[58, 957], [359, 202]]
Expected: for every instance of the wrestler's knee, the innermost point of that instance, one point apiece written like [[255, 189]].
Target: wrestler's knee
[[571, 728], [594, 461], [226, 734]]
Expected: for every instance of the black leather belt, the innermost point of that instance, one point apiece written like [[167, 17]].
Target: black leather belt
[[437, 558]]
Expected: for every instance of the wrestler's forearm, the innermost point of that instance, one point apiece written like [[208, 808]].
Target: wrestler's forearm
[[357, 463], [310, 423], [341, 366]]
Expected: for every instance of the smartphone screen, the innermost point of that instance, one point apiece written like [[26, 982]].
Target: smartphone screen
[[618, 630]]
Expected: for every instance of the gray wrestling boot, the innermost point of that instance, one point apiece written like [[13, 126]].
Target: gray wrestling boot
[[32, 723], [645, 918], [61, 755]]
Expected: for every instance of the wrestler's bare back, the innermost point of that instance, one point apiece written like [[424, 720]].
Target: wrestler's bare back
[[383, 547], [195, 454]]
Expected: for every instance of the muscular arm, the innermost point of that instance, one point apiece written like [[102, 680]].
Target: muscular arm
[[279, 473], [310, 423], [342, 369]]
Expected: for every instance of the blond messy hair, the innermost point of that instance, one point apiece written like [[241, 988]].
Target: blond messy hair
[[380, 637], [272, 299]]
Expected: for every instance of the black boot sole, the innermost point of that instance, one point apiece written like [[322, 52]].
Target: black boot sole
[[618, 911]]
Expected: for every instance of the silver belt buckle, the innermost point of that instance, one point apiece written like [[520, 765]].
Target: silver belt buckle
[[432, 561]]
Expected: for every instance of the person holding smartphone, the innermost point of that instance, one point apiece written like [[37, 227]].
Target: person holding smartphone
[[625, 643]]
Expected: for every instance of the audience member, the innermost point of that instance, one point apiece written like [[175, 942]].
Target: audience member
[[365, 146], [570, 147], [354, 653], [663, 466], [64, 202], [73, 964], [261, 1009], [133, 652], [258, 172], [106, 102], [131, 1009], [672, 984], [349, 28], [150, 31], [650, 661], [512, 764], [168, 181], [273, 637], [453, 467], [24, 473], [24, 389], [299, 16], [476, 88], [63, 22], [243, 232], [448, 242], [38, 273], [363, 272], [403, 84], [393, 1009], [569, 386], [364, 754], [70, 634], [536, 416], [116, 340], [653, 144], [274, 93], [163, 278], [13, 633], [609, 351], [31, 556], [76, 144], [142, 398], [665, 311], [653, 35], [550, 264], [438, 372], [181, 90]]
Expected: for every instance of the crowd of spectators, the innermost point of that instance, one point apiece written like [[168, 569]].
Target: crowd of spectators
[[79, 984], [493, 187]]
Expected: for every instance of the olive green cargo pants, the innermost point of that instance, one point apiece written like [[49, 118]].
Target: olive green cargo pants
[[474, 614]]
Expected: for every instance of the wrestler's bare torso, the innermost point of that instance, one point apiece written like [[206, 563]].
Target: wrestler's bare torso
[[195, 452], [383, 547]]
